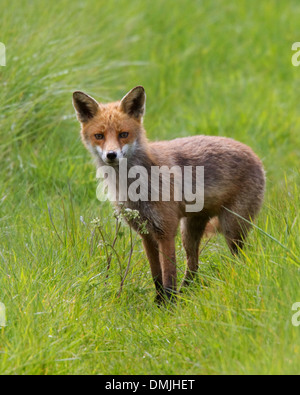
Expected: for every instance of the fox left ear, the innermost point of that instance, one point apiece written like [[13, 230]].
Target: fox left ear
[[134, 102], [85, 106]]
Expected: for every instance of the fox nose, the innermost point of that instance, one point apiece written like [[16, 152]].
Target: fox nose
[[111, 155]]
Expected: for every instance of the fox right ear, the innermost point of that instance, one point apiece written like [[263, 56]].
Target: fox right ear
[[85, 106]]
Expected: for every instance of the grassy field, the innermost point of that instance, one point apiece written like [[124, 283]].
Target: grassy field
[[216, 68]]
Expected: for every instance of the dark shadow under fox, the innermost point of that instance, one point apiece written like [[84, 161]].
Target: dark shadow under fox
[[234, 182]]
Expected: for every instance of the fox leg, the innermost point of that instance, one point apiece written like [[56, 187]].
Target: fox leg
[[151, 249], [234, 228], [192, 230], [167, 258]]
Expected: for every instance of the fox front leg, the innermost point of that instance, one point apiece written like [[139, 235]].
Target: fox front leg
[[151, 249], [167, 259]]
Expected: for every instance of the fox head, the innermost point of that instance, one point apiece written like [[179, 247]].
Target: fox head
[[111, 131]]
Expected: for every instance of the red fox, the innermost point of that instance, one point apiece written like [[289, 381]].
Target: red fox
[[234, 182]]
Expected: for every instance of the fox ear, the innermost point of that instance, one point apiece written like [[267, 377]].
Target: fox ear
[[134, 102], [85, 106]]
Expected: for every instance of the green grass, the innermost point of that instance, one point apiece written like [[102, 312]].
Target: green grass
[[217, 68]]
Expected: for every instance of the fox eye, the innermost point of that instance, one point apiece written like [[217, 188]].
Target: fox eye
[[99, 136], [123, 135]]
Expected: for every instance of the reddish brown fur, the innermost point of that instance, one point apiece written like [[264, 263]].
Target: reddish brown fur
[[234, 183]]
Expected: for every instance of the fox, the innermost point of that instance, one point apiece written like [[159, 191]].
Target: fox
[[234, 183]]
